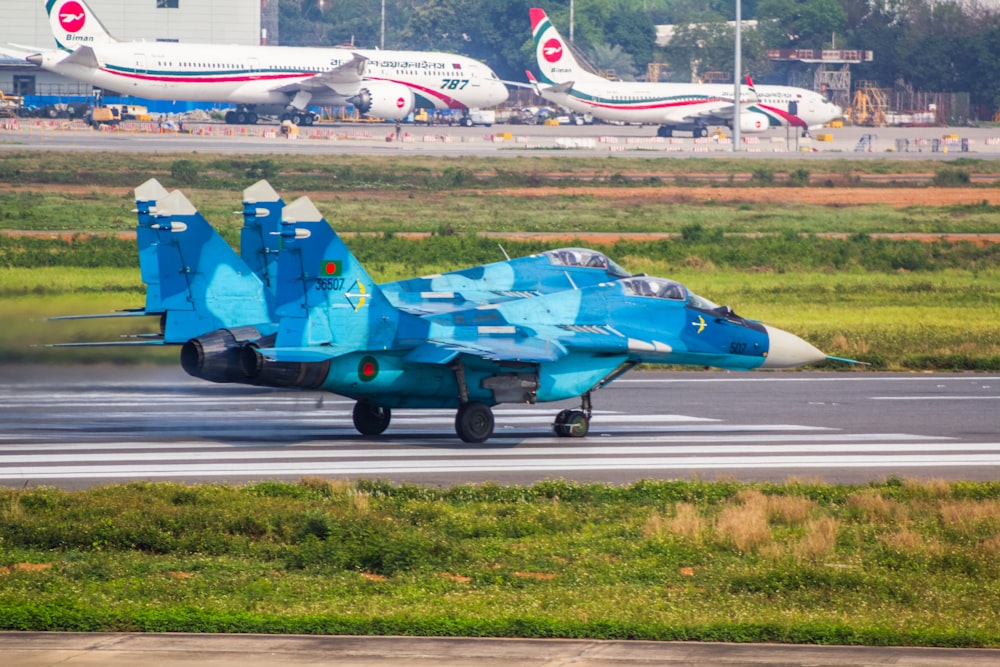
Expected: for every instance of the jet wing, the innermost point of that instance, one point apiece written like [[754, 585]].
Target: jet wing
[[529, 350], [351, 72], [303, 354]]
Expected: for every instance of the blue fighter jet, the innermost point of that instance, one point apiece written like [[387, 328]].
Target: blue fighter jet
[[303, 312]]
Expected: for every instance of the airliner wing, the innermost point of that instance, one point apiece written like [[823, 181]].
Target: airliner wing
[[351, 72], [18, 51], [713, 110]]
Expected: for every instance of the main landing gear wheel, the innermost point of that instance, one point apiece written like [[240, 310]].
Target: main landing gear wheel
[[571, 424], [474, 422], [370, 419]]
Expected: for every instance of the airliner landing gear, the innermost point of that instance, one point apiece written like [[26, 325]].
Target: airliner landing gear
[[306, 118], [371, 419], [667, 131], [574, 423], [241, 116]]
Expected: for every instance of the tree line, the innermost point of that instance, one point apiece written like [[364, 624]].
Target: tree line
[[923, 45]]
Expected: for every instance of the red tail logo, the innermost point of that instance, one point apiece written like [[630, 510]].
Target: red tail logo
[[72, 17], [552, 50]]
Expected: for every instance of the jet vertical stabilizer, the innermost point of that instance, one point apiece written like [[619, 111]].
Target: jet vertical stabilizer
[[325, 296], [260, 239], [146, 197], [204, 285]]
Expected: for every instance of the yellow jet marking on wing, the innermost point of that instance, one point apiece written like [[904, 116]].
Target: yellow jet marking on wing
[[700, 324]]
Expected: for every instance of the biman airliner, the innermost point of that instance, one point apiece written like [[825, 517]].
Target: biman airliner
[[278, 80], [690, 107]]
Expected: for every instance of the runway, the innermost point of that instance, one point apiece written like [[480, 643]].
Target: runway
[[930, 143], [79, 426]]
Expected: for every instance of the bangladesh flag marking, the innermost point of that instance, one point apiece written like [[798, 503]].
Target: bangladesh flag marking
[[333, 267], [368, 369]]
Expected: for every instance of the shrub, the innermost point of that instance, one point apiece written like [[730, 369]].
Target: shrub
[[184, 172]]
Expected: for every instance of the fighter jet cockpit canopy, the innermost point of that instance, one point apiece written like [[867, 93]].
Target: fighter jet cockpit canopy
[[663, 288], [585, 257]]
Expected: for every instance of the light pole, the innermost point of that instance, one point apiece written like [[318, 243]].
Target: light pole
[[737, 70]]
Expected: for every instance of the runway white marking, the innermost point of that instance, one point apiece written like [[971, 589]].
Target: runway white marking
[[935, 398], [273, 469], [166, 433]]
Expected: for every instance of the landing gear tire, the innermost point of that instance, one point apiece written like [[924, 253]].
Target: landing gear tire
[[571, 424], [701, 132], [474, 422], [370, 419], [466, 122]]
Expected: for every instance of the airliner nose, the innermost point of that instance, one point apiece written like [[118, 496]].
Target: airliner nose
[[499, 92], [788, 350]]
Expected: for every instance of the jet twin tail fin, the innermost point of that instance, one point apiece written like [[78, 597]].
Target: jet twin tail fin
[[259, 238], [203, 284], [324, 295]]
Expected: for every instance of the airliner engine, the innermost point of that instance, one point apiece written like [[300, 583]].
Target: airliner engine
[[384, 99], [752, 122]]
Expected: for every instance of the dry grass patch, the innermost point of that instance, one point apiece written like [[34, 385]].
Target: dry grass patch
[[911, 543], [875, 508], [745, 526], [967, 517], [931, 488], [687, 522], [24, 567], [819, 541], [789, 510]]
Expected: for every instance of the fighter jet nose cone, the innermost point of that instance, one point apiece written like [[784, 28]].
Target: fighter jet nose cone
[[788, 350]]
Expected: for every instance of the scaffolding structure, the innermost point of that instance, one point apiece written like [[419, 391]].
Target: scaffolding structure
[[832, 69], [868, 106]]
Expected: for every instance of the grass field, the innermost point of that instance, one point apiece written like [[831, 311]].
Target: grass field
[[894, 321], [893, 563]]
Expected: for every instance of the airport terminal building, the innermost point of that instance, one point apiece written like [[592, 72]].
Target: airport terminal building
[[26, 23]]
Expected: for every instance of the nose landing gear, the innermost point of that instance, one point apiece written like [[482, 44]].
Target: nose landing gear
[[574, 423]]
